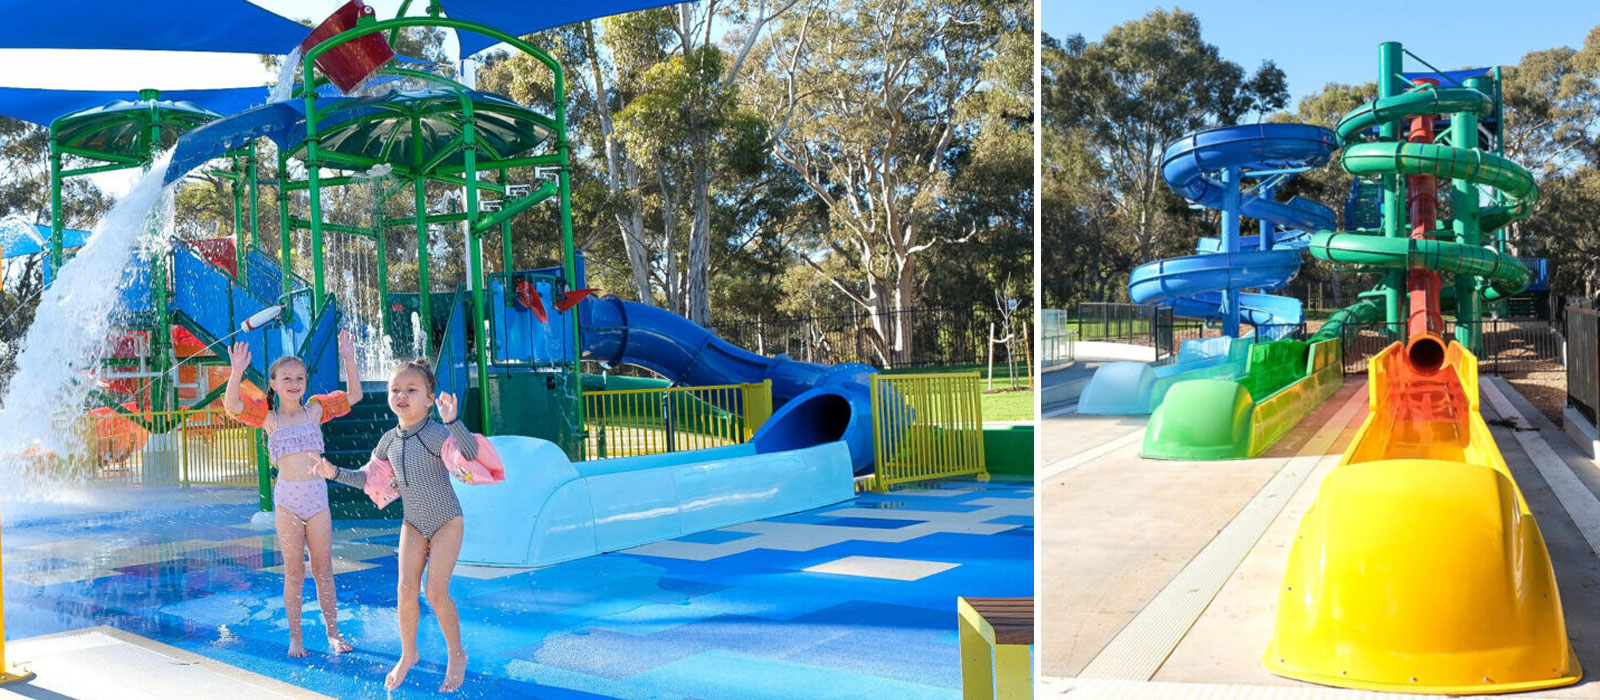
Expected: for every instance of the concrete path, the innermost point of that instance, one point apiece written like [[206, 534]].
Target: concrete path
[[104, 662], [1119, 531]]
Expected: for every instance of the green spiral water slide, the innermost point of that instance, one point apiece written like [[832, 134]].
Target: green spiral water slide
[[1481, 272]]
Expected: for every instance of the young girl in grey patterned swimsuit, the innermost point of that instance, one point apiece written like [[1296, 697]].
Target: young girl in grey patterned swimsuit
[[431, 532]]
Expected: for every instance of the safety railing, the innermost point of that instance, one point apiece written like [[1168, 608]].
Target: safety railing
[[629, 422], [1058, 342], [926, 426], [1583, 362], [201, 447], [1505, 346]]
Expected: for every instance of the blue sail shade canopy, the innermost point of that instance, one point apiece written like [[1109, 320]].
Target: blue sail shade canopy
[[44, 106], [522, 18], [148, 25]]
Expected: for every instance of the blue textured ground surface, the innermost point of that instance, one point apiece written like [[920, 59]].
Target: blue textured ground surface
[[730, 614]]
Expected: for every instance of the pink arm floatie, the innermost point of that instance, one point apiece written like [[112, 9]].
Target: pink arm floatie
[[380, 485], [484, 469]]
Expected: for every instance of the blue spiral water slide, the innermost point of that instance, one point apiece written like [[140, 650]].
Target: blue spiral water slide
[[1209, 168]]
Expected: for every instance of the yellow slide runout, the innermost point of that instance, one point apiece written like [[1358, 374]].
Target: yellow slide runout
[[1420, 568]]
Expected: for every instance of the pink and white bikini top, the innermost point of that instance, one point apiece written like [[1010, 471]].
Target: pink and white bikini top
[[305, 436]]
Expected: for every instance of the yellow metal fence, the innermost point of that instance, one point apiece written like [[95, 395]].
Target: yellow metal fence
[[167, 447], [926, 426], [632, 422]]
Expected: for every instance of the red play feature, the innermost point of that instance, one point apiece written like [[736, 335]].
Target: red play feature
[[353, 61], [566, 300], [528, 297]]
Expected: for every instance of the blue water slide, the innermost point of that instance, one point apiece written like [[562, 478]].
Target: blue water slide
[[819, 403], [211, 303], [1198, 285], [1202, 284]]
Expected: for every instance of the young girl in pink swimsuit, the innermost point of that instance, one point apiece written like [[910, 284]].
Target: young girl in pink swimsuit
[[294, 439]]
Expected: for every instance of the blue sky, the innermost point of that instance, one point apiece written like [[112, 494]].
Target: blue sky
[[1331, 41]]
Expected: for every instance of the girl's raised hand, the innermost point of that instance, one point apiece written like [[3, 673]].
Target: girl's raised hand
[[447, 407], [239, 358], [347, 347]]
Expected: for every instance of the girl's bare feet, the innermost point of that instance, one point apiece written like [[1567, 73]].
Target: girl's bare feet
[[338, 645], [455, 673], [296, 649], [401, 668]]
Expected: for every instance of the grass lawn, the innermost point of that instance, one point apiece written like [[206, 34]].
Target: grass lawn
[[1000, 405]]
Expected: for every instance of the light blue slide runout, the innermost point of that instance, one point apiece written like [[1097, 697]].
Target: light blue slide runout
[[1134, 388], [551, 509]]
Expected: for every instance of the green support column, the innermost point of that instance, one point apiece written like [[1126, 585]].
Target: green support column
[[285, 236], [1499, 149], [475, 264], [318, 288], [263, 471], [1464, 201], [1390, 63], [420, 209], [254, 192], [507, 263], [424, 298], [314, 189], [569, 254], [238, 218], [55, 209], [380, 238], [163, 394]]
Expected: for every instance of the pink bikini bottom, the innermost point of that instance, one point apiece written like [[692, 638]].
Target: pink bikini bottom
[[303, 498]]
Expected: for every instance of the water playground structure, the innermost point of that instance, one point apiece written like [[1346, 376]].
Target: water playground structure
[[353, 113], [1419, 566]]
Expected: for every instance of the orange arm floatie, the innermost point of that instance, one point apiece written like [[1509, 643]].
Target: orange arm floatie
[[334, 404], [254, 413]]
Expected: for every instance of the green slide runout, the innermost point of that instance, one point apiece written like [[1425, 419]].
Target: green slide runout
[[1209, 419]]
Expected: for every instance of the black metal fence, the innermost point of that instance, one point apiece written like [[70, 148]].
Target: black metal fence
[[1130, 324], [1583, 362], [1508, 346], [939, 336]]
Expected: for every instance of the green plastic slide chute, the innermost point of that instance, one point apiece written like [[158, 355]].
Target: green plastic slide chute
[[1450, 162], [1506, 275], [1413, 103]]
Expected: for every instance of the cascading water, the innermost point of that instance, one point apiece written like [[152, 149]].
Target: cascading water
[[60, 357], [286, 77]]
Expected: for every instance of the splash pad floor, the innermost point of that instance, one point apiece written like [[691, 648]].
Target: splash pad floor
[[1159, 578], [849, 601]]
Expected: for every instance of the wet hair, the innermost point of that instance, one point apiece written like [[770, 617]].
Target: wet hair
[[420, 366], [272, 373]]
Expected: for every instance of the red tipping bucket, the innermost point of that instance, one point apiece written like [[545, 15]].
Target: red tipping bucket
[[353, 61]]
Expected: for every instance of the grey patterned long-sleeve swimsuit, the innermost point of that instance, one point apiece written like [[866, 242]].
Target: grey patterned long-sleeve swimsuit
[[426, 499]]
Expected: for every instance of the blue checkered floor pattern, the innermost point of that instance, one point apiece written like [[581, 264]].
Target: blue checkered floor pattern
[[855, 600]]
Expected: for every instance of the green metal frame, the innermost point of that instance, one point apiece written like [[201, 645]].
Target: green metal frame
[[150, 121], [478, 158]]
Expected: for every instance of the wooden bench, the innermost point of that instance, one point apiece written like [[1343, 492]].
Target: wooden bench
[[996, 648]]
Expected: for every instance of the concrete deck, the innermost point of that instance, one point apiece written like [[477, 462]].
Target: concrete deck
[[1158, 578], [105, 662]]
